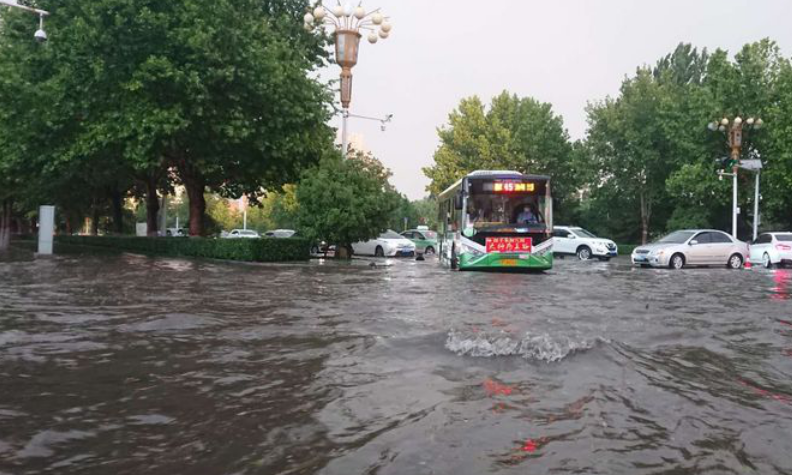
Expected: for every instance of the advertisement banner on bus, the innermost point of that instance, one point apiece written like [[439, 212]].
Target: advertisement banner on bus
[[509, 244]]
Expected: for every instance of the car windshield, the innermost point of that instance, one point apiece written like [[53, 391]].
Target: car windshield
[[784, 237], [583, 233], [678, 237], [390, 235]]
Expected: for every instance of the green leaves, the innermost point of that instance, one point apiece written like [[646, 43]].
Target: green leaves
[[343, 201], [513, 133], [652, 145], [222, 88]]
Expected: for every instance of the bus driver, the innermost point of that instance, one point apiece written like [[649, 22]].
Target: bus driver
[[529, 215]]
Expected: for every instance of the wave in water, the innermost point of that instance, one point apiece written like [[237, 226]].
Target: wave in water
[[542, 347]]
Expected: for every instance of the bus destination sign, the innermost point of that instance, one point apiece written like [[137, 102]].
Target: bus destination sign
[[512, 187], [509, 244]]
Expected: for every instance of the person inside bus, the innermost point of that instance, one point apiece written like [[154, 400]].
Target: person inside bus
[[477, 214], [529, 215]]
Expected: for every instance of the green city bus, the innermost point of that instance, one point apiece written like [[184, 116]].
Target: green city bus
[[497, 220]]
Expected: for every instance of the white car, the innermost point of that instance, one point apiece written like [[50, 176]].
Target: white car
[[280, 233], [578, 242], [388, 244], [772, 249], [692, 247], [242, 234], [177, 232]]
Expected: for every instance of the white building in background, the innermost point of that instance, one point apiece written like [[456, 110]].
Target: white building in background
[[357, 142]]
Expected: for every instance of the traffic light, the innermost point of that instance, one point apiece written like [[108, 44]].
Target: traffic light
[[725, 163]]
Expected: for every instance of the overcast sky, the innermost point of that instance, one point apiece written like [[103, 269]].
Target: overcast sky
[[565, 52]]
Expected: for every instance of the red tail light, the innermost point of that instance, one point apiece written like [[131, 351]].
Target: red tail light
[[783, 247]]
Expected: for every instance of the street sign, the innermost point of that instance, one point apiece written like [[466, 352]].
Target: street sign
[[751, 164]]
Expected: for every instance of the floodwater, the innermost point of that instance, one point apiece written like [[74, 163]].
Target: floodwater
[[128, 365]]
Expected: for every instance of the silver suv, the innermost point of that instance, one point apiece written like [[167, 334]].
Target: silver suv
[[692, 247]]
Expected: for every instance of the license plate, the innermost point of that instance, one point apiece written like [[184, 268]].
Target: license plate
[[508, 262], [641, 259]]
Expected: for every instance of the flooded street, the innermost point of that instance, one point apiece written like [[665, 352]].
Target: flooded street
[[129, 364]]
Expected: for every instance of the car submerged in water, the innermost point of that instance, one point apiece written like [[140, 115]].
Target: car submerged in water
[[388, 244], [576, 241], [772, 249], [692, 247], [425, 240]]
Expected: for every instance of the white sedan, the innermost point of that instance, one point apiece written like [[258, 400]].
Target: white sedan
[[772, 249], [280, 233], [388, 244], [242, 234]]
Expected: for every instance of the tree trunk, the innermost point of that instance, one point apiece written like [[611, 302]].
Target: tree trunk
[[152, 207], [195, 184], [118, 211], [646, 214], [197, 208], [343, 252], [95, 219], [5, 224]]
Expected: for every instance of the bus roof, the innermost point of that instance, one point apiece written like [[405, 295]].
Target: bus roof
[[495, 175]]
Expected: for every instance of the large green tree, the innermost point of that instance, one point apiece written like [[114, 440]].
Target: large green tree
[[756, 83], [514, 133], [653, 127], [218, 95], [343, 201]]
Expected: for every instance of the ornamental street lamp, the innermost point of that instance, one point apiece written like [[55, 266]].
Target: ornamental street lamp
[[734, 135], [40, 35], [347, 21]]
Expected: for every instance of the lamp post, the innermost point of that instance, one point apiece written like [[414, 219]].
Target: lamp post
[[347, 21], [734, 136], [40, 35], [46, 213]]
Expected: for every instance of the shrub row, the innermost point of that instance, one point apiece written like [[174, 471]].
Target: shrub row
[[627, 249], [258, 250]]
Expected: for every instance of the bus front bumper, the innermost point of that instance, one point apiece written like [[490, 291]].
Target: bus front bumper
[[506, 261]]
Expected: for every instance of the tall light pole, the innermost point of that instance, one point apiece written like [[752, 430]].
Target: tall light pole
[[734, 135], [40, 35], [347, 21], [46, 213]]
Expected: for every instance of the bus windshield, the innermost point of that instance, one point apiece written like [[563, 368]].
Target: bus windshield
[[487, 210]]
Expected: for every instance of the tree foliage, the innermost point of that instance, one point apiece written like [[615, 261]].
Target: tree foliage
[[217, 95], [513, 133], [343, 201], [655, 155]]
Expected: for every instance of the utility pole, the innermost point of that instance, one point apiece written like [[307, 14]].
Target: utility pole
[[754, 165], [734, 131]]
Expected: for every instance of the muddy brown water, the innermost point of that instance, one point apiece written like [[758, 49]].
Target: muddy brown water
[[129, 364]]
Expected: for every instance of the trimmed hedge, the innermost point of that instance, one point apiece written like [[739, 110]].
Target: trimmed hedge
[[257, 250], [627, 249]]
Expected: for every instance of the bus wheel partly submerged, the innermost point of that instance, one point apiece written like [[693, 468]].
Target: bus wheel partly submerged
[[454, 263]]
